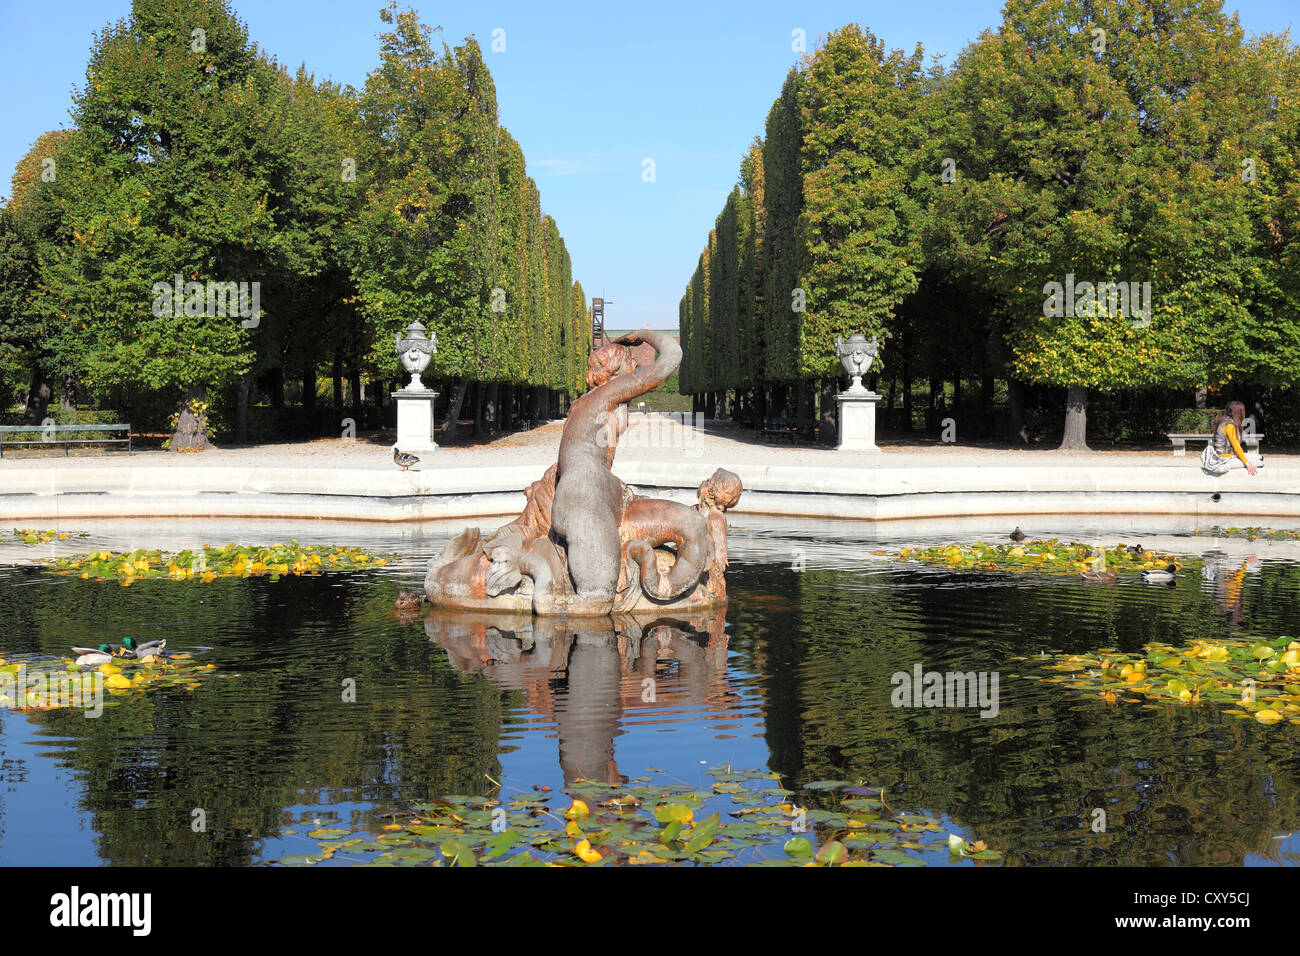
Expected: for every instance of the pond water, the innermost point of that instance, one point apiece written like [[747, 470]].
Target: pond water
[[794, 677]]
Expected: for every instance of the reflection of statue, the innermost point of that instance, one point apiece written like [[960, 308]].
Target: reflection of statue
[[584, 544], [588, 674], [856, 355], [416, 351]]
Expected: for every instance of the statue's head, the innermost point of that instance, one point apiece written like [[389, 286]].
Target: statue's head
[[609, 361], [721, 490]]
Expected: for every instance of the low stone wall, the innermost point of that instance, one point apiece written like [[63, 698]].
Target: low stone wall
[[29, 496]]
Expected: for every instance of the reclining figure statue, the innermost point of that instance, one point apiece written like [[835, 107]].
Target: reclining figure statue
[[584, 543]]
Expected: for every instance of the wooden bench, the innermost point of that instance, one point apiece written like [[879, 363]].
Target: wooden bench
[[1249, 440], [789, 426], [49, 435]]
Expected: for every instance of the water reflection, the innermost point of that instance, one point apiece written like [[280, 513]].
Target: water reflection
[[589, 674]]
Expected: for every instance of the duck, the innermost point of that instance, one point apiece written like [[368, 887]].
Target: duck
[[403, 460], [1017, 535], [1135, 550], [407, 601], [1104, 575], [140, 651], [1160, 576], [94, 656]]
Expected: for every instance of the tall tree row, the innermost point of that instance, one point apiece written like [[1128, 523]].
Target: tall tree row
[[1069, 205], [197, 160]]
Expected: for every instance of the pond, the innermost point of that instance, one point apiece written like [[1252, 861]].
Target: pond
[[328, 709]]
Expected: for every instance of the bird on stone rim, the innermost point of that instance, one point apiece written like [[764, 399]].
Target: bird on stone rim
[[404, 460]]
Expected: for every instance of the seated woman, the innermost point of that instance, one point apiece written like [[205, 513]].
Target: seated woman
[[1223, 453]]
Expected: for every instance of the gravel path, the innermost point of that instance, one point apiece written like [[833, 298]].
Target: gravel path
[[653, 438]]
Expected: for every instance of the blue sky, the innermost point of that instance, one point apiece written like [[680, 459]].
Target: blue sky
[[590, 90]]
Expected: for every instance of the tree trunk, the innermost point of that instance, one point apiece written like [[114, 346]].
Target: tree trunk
[[192, 425], [241, 409], [1016, 411], [805, 398], [986, 392], [338, 382], [956, 391], [1076, 420], [907, 394], [354, 383], [828, 433], [38, 397], [309, 387], [476, 403], [494, 407], [68, 393], [277, 388], [453, 412]]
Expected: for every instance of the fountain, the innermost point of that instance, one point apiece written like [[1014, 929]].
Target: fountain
[[585, 544]]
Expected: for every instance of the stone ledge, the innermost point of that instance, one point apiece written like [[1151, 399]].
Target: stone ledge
[[878, 493]]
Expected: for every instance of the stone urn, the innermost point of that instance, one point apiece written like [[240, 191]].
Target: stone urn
[[416, 351], [856, 355]]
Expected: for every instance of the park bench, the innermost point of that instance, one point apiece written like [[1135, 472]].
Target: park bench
[[788, 426], [1249, 440], [50, 435]]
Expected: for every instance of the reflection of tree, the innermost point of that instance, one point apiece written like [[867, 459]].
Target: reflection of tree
[[588, 673], [277, 734], [1178, 784]]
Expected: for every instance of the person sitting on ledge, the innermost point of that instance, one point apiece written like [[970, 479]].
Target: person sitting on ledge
[[1223, 452]]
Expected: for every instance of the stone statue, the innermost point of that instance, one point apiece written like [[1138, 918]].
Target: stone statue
[[856, 355], [416, 351], [584, 543]]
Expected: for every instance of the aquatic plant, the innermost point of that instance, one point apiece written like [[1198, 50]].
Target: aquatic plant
[[33, 536], [1252, 534], [44, 683], [1258, 680], [1050, 556], [208, 564], [743, 817]]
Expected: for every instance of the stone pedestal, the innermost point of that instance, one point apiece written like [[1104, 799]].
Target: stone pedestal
[[857, 420], [415, 420]]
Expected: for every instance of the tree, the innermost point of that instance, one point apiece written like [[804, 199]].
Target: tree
[[167, 184]]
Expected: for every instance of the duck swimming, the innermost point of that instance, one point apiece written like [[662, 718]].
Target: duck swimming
[[407, 601], [1017, 535], [1101, 574], [148, 649], [1160, 576], [94, 656]]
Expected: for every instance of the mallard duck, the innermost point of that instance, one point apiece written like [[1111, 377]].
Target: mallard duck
[[406, 601], [1159, 576], [94, 656], [1017, 535], [148, 649], [1109, 576], [404, 460], [1101, 574]]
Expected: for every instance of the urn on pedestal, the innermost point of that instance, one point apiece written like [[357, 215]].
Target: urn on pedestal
[[415, 401], [857, 404]]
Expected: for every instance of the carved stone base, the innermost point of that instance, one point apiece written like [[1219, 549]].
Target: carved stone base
[[858, 420], [415, 420]]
